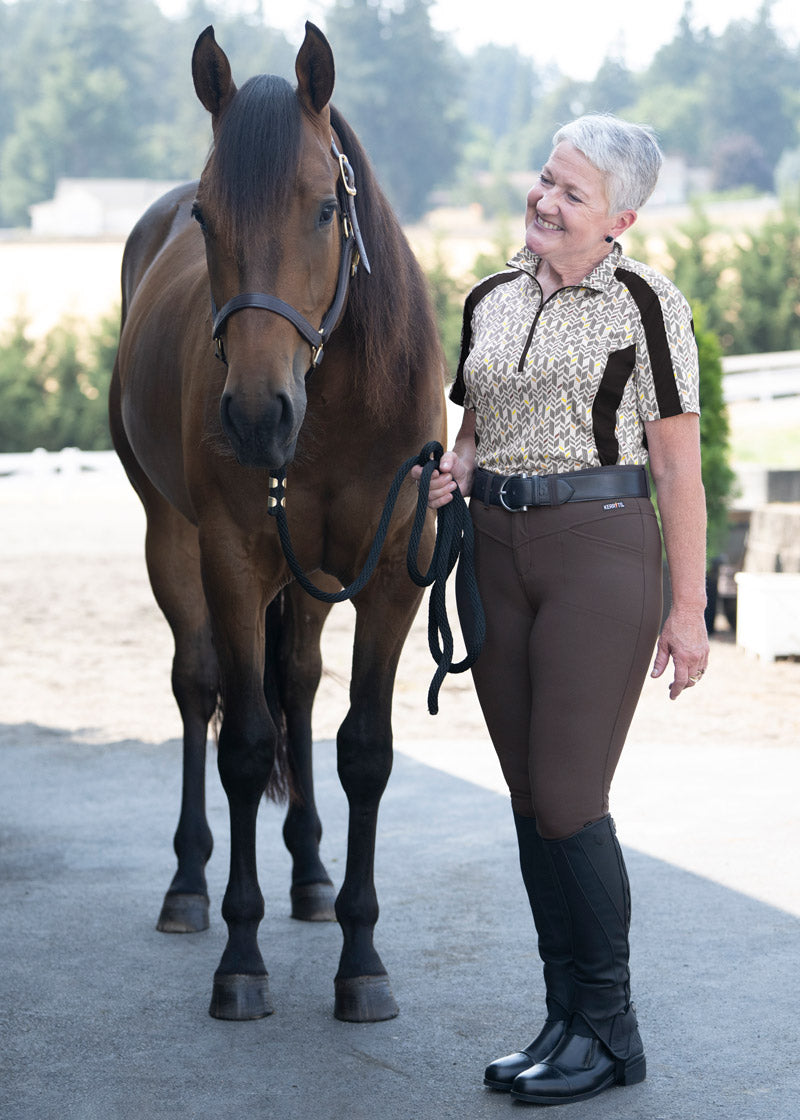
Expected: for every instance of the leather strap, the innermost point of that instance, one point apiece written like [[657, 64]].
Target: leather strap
[[519, 492]]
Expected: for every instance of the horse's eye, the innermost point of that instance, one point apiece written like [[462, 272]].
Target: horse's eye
[[197, 214], [327, 213]]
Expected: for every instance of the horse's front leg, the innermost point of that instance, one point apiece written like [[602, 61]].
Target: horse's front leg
[[300, 668], [246, 754], [385, 610], [194, 682], [173, 563]]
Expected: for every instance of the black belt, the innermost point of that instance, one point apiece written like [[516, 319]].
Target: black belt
[[519, 492]]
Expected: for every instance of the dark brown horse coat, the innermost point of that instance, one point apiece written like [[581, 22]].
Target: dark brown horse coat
[[198, 439]]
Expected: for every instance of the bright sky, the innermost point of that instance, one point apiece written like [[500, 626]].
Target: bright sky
[[576, 37]]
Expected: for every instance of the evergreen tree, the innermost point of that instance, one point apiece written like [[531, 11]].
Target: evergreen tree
[[87, 104], [613, 89], [718, 477], [395, 81], [103, 88], [748, 75], [765, 315], [501, 89], [684, 60], [54, 391], [697, 268]]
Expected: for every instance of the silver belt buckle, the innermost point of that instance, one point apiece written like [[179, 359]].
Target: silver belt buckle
[[502, 496]]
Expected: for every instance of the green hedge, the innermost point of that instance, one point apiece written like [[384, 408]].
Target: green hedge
[[54, 390]]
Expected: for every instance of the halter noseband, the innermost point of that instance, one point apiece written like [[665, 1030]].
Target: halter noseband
[[353, 252]]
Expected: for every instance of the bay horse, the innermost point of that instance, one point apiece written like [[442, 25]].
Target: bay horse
[[268, 235]]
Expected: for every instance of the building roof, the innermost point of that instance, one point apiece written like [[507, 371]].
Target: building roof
[[96, 207]]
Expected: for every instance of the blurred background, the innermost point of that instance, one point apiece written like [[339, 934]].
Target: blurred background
[[456, 108]]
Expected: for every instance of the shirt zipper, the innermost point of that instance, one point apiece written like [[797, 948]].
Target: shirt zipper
[[529, 339], [542, 305]]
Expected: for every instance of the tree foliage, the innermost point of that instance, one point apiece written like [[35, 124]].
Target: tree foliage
[[718, 477], [709, 97], [749, 286], [54, 390], [765, 316], [394, 84], [103, 88]]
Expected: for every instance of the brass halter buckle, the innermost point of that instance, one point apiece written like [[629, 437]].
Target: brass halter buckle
[[346, 171]]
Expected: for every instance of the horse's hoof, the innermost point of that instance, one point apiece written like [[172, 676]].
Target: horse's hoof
[[314, 902], [240, 996], [364, 999], [183, 913]]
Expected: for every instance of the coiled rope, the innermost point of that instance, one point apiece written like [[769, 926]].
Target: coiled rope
[[454, 544]]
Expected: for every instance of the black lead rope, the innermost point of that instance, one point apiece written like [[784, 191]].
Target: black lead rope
[[454, 543]]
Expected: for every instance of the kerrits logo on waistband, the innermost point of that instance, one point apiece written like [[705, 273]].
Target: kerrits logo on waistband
[[615, 505]]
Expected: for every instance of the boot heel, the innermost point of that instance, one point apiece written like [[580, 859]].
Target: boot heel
[[631, 1070]]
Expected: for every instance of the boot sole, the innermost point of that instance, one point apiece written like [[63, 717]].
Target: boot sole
[[497, 1086]]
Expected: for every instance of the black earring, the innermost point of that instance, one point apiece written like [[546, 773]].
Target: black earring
[[609, 239]]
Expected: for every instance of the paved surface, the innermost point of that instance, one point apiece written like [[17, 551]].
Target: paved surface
[[102, 1017]]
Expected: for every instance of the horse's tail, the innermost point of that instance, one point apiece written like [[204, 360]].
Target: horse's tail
[[280, 787]]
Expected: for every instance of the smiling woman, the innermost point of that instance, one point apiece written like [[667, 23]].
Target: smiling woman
[[578, 365]]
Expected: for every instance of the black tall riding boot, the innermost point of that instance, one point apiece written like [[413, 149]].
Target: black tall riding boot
[[555, 948], [602, 1046]]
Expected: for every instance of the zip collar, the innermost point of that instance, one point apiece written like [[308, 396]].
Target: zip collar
[[599, 278]]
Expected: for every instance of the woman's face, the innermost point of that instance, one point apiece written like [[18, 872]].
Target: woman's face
[[567, 218]]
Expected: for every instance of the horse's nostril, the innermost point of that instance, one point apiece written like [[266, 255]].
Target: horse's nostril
[[284, 412], [261, 432], [225, 406]]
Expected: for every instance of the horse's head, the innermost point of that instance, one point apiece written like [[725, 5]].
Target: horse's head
[[267, 203]]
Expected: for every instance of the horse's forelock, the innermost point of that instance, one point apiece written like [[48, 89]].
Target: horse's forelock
[[251, 170]]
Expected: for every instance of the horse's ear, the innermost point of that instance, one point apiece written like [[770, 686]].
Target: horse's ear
[[314, 70], [211, 73]]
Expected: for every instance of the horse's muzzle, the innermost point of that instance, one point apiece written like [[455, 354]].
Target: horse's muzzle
[[267, 438]]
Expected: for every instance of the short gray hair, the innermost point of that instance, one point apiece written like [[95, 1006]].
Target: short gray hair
[[626, 154]]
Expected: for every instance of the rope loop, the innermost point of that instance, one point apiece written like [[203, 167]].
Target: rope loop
[[454, 544]]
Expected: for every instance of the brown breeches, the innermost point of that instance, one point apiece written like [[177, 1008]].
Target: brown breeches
[[572, 596]]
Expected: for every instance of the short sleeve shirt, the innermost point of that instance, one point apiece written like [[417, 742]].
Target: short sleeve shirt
[[568, 383]]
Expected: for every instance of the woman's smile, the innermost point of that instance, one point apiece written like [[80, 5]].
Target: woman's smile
[[544, 224]]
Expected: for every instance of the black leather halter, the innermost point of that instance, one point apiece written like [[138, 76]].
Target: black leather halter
[[353, 253]]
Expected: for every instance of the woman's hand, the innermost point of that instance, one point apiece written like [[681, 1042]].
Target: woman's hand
[[456, 467], [453, 473], [684, 638]]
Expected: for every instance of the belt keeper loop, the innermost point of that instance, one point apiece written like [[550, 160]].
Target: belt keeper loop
[[552, 486], [487, 488]]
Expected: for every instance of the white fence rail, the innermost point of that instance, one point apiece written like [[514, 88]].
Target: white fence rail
[[69, 462], [761, 377]]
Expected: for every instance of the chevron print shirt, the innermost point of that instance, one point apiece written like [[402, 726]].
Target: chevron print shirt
[[568, 383]]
